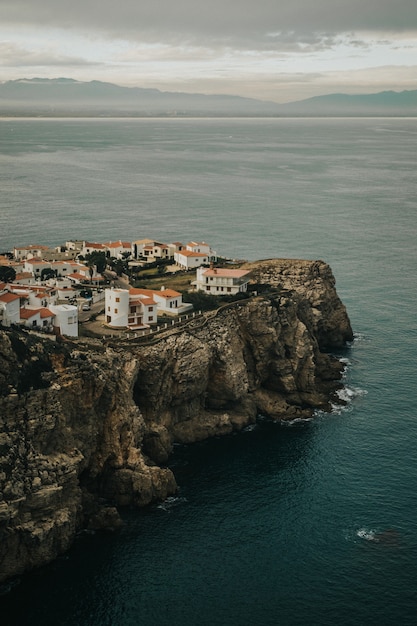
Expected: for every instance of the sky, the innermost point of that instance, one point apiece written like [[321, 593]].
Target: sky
[[276, 50]]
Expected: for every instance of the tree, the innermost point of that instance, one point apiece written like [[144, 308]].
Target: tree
[[48, 273], [98, 259], [7, 274]]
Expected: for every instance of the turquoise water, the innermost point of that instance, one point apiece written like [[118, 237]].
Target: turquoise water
[[314, 524]]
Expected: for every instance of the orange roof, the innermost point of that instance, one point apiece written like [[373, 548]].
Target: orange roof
[[100, 246], [117, 244], [168, 293], [26, 314], [23, 275], [226, 273], [191, 253], [31, 247], [77, 276], [142, 293], [9, 297], [46, 313]]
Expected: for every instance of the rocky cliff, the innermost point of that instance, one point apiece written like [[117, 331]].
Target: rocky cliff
[[86, 427]]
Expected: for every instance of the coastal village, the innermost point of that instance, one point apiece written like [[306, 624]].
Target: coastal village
[[58, 290]]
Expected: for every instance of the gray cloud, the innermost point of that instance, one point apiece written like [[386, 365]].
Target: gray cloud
[[12, 55], [243, 24]]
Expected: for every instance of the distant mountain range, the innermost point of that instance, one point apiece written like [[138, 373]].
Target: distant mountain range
[[68, 97]]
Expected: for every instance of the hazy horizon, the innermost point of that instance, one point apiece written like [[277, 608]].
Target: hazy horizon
[[275, 52]]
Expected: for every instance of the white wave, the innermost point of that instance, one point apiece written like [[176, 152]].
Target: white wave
[[297, 421], [367, 534], [346, 396], [359, 337], [171, 502], [249, 428]]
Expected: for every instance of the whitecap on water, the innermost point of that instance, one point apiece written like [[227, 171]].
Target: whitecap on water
[[346, 395], [171, 502], [366, 534], [249, 428], [298, 421]]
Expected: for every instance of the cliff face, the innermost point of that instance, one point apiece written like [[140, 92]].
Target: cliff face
[[82, 424]]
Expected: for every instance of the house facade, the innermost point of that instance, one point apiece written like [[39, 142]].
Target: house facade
[[129, 308], [65, 320], [29, 252], [189, 260], [9, 308], [139, 308], [222, 281]]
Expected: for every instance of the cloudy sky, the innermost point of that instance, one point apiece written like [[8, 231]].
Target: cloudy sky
[[279, 50]]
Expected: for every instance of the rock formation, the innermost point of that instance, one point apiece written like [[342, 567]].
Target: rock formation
[[86, 426]]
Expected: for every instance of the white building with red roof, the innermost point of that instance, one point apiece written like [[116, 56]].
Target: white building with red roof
[[66, 319], [119, 248], [9, 307], [29, 252], [139, 308], [222, 281], [130, 308], [189, 260]]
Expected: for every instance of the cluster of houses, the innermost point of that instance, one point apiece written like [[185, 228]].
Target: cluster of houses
[[42, 295]]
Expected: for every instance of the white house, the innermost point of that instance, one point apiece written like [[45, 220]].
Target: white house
[[36, 296], [88, 248], [222, 281], [66, 319], [9, 308], [35, 266], [189, 260], [130, 308], [139, 245], [81, 273], [116, 249], [202, 246], [64, 287], [41, 318], [24, 278], [28, 252], [169, 302], [139, 308]]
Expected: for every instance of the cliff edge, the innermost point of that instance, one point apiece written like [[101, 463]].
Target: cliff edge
[[86, 426]]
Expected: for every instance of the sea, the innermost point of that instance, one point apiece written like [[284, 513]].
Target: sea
[[311, 524]]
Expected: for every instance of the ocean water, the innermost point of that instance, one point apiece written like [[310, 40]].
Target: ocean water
[[310, 524]]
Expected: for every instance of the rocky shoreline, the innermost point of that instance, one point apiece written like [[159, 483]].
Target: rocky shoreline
[[86, 426]]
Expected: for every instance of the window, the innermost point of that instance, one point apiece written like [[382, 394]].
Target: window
[[133, 309], [150, 308], [117, 299], [151, 318], [116, 311], [229, 289]]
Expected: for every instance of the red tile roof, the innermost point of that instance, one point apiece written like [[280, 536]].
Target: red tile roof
[[226, 273], [191, 253], [168, 293], [9, 297], [26, 314]]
